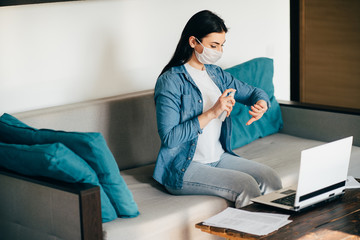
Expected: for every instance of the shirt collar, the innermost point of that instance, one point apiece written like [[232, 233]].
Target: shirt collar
[[182, 69]]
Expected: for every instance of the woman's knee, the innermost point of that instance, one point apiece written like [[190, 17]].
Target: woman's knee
[[248, 188], [234, 186], [265, 176], [271, 181]]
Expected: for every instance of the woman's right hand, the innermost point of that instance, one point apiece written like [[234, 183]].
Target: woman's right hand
[[224, 103]]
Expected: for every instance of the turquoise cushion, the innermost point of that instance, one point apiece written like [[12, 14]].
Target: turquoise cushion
[[54, 161], [259, 73], [91, 147]]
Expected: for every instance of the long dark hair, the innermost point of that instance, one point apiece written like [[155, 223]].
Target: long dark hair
[[199, 25]]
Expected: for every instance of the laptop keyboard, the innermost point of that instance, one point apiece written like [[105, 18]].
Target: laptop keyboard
[[288, 200]]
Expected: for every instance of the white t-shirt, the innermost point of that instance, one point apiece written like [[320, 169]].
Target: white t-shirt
[[208, 147]]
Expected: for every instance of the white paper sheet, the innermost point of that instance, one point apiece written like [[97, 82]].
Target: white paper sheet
[[256, 223], [351, 183]]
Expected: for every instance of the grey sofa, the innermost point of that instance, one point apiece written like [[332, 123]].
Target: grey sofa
[[40, 208]]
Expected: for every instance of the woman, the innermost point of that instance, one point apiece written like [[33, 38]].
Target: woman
[[190, 95]]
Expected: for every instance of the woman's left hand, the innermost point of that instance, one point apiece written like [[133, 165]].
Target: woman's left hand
[[257, 111]]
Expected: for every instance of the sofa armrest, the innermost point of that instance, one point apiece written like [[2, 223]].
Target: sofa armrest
[[319, 122], [40, 208]]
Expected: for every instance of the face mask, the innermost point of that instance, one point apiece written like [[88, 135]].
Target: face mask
[[208, 56]]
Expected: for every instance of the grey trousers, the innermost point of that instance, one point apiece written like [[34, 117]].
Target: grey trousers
[[233, 178]]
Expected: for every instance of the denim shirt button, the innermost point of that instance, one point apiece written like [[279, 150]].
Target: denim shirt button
[[183, 170], [189, 158], [200, 101]]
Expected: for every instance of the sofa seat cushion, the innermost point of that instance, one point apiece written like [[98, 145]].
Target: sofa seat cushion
[[162, 214], [282, 152], [174, 217]]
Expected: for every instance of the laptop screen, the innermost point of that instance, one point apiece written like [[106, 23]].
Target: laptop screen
[[323, 171]]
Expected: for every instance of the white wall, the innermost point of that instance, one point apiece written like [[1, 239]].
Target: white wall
[[53, 54]]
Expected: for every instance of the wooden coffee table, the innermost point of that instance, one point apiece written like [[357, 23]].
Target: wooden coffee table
[[339, 219]]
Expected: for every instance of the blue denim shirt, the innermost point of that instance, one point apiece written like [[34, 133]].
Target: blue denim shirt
[[178, 104]]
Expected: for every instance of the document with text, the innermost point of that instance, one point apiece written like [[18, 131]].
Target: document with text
[[256, 223]]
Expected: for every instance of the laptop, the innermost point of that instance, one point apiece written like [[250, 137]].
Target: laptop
[[322, 177]]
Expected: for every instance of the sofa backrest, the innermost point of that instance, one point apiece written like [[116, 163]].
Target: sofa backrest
[[128, 123], [319, 123]]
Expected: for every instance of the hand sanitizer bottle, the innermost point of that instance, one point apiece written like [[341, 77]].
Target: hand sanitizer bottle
[[222, 116]]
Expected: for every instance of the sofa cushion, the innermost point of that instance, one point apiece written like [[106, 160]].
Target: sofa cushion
[[282, 152], [178, 214], [163, 215], [54, 161], [257, 72], [91, 147]]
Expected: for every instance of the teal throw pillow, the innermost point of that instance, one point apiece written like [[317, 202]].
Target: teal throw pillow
[[91, 147], [54, 161], [259, 73]]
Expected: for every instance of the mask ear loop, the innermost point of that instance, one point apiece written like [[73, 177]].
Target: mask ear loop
[[199, 41]]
